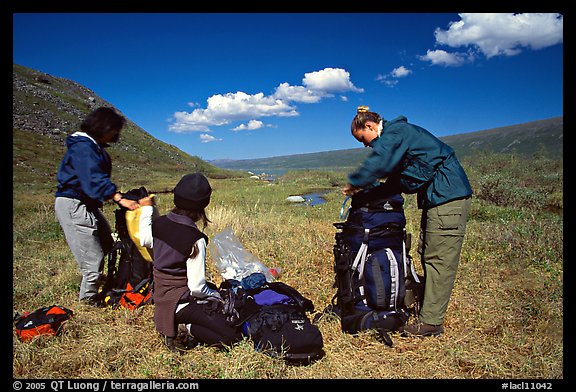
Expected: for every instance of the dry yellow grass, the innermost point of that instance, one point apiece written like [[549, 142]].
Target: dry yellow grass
[[504, 320]]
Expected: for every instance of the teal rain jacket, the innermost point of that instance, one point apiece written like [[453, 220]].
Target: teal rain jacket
[[417, 160]]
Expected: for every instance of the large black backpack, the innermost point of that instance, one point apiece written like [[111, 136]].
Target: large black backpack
[[129, 278], [377, 286], [275, 317]]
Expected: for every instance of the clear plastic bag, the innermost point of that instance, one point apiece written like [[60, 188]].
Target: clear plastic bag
[[232, 260]]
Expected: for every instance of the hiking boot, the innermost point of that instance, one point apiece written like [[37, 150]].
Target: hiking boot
[[421, 329], [174, 345], [189, 342], [185, 339]]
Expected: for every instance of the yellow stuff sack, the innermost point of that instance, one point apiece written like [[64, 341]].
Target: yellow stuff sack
[[132, 223]]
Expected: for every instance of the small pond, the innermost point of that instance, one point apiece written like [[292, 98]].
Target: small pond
[[309, 199], [314, 199]]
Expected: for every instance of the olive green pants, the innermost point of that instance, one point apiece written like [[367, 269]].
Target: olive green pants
[[442, 230]]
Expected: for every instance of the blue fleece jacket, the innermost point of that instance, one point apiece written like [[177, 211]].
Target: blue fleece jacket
[[85, 170]]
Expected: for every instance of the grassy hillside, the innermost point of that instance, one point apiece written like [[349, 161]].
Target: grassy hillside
[[544, 137], [46, 109], [504, 320]]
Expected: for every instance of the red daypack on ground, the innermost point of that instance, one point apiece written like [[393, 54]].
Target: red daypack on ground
[[44, 321]]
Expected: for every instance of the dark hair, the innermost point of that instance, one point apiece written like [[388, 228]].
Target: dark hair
[[195, 215], [362, 116], [101, 122]]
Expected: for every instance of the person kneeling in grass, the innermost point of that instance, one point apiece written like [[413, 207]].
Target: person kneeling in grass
[[183, 299]]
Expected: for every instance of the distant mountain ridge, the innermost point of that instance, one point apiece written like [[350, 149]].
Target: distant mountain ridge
[[536, 137], [543, 136], [315, 160]]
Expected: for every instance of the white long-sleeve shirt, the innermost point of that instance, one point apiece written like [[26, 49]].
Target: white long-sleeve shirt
[[195, 266]]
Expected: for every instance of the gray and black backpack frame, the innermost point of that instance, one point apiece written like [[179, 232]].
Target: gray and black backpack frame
[[377, 285]]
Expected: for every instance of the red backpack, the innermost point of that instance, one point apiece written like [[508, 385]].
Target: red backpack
[[47, 320]]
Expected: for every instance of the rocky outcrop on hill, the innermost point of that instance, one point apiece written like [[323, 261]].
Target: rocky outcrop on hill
[[48, 105], [50, 108]]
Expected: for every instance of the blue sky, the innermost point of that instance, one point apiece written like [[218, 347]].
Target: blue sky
[[254, 85]]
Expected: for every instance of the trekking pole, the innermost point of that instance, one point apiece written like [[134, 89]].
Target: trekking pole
[[162, 191]]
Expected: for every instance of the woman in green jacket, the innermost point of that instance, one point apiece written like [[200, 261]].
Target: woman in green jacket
[[418, 162]]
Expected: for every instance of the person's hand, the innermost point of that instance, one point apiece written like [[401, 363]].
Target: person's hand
[[129, 204], [147, 201], [215, 298], [350, 189]]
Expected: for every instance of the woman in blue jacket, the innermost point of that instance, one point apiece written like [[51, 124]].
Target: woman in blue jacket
[[418, 162], [84, 183]]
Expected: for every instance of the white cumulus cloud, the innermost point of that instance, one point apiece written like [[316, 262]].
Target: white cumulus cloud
[[252, 124], [390, 79], [400, 72], [330, 80], [205, 138], [503, 34], [442, 57], [223, 109], [297, 94]]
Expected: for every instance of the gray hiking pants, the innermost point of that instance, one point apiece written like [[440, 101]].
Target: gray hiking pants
[[88, 235], [442, 231]]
